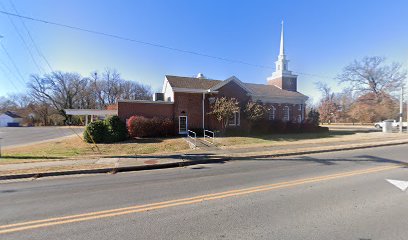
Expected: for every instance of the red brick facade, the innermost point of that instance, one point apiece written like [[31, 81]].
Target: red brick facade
[[126, 109], [190, 105]]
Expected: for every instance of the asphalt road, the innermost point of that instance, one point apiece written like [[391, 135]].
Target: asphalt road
[[16, 136], [341, 195]]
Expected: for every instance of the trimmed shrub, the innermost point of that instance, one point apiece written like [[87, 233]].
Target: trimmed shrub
[[110, 130], [95, 132], [168, 127], [116, 129], [139, 126], [236, 132], [292, 127], [277, 126], [308, 127]]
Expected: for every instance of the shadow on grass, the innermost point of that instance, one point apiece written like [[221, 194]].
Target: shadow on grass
[[292, 137], [136, 140]]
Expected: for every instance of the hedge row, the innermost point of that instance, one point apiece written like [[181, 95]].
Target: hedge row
[[139, 126]]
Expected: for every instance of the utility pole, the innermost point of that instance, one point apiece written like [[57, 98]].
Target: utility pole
[[401, 104]]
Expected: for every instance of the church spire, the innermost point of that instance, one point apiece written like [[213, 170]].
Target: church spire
[[282, 48], [282, 77], [282, 62]]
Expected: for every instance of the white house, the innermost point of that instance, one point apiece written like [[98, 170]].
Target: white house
[[10, 118]]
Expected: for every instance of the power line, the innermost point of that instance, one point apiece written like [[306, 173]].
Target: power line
[[24, 42], [5, 66], [134, 40], [9, 80], [150, 43], [14, 64], [32, 39]]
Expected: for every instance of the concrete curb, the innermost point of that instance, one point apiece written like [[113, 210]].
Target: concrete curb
[[183, 163], [326, 150], [115, 170]]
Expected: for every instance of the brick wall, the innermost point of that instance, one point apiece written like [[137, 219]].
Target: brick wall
[[286, 83], [294, 111], [149, 110], [190, 105]]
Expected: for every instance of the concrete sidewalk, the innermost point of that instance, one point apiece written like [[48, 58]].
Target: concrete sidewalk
[[196, 156]]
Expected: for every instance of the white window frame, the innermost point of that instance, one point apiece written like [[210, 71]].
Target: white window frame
[[236, 119], [286, 109], [183, 132], [272, 113]]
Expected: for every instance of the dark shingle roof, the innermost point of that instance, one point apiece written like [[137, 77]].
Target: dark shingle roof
[[271, 91], [204, 84], [191, 82], [11, 114]]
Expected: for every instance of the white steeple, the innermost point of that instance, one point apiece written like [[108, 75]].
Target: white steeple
[[281, 65], [282, 48], [282, 77]]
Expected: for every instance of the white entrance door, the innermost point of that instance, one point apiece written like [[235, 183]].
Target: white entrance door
[[183, 125]]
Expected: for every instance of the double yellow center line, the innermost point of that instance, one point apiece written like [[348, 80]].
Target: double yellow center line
[[9, 228]]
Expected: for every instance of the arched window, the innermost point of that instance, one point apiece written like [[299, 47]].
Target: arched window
[[271, 112], [286, 116]]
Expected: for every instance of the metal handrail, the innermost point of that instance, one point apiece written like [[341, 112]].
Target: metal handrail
[[192, 138], [208, 136]]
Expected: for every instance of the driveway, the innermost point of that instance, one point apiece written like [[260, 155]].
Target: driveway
[[16, 136]]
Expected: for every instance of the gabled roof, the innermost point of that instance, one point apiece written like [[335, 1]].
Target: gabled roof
[[259, 90], [232, 79], [271, 91], [191, 82], [11, 114]]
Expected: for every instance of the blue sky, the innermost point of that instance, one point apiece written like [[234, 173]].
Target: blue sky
[[321, 37]]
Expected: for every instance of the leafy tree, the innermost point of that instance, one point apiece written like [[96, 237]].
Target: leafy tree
[[223, 109], [254, 112]]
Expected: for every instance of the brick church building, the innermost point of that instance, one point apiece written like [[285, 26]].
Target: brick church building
[[187, 100]]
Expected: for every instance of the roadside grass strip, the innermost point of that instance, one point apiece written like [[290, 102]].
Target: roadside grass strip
[[16, 227]]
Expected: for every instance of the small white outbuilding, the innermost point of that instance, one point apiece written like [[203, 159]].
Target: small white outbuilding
[[10, 119]]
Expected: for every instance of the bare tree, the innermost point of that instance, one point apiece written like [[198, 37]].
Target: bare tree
[[373, 75], [328, 106], [60, 89], [135, 91]]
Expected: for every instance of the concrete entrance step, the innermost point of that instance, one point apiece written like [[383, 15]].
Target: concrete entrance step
[[205, 145]]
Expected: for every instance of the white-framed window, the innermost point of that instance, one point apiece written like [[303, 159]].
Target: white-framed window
[[300, 107], [235, 119], [286, 114], [272, 113]]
